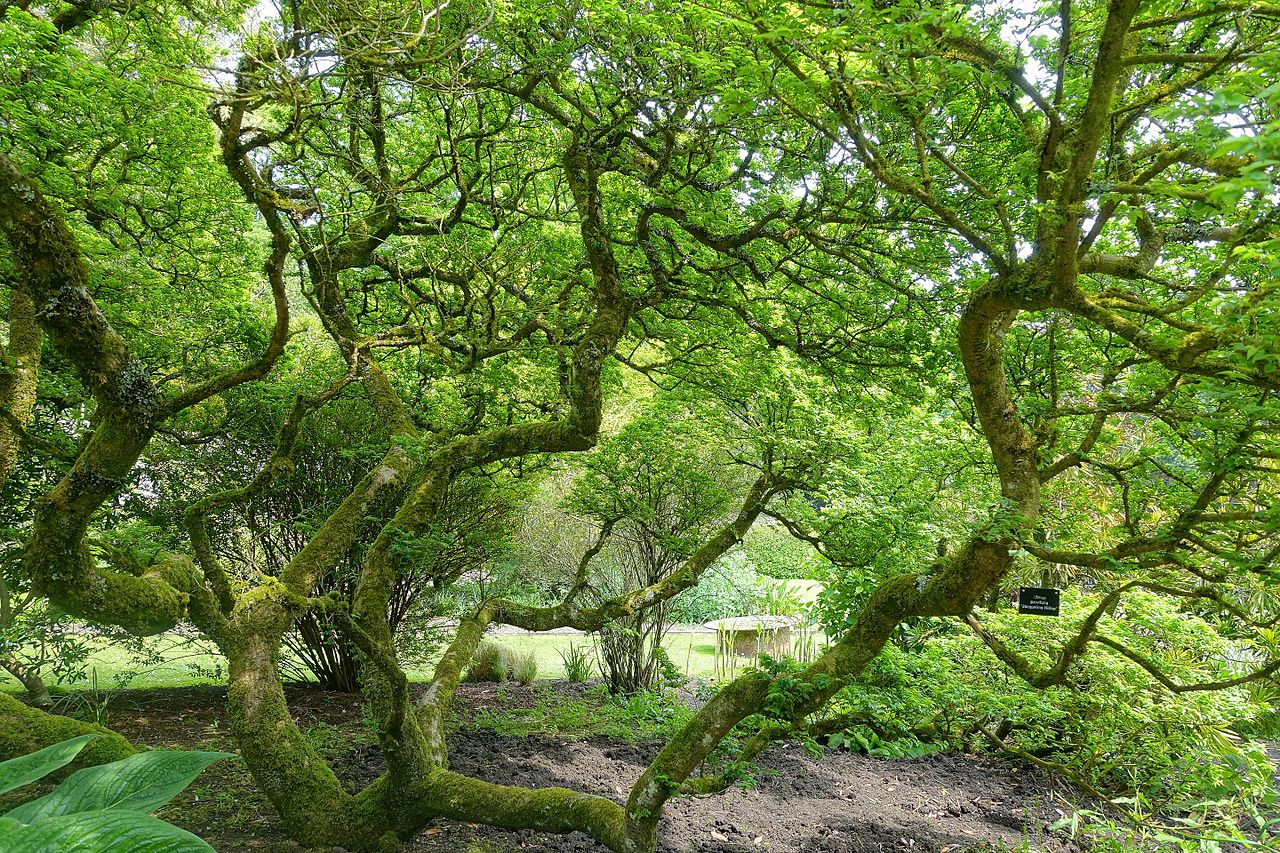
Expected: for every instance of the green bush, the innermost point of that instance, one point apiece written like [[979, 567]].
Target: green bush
[[732, 587], [491, 662], [1110, 726], [777, 599], [775, 553], [102, 809], [724, 590]]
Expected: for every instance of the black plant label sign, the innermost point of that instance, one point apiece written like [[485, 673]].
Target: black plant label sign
[[1041, 602]]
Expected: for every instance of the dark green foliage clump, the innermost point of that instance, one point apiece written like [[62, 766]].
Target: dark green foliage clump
[[939, 687]]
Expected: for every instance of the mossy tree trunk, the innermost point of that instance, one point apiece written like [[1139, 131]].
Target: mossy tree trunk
[[19, 373]]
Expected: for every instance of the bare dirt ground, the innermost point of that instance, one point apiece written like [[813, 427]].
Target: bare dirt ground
[[837, 803]]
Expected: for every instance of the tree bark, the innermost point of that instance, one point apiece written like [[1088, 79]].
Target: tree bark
[[24, 730]]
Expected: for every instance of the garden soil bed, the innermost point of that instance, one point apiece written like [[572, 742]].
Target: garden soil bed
[[839, 803]]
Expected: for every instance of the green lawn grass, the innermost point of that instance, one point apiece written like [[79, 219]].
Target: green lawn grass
[[174, 662], [578, 716], [179, 662], [692, 654]]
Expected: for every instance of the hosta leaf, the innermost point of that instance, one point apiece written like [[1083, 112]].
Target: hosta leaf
[[109, 831], [139, 783], [19, 771]]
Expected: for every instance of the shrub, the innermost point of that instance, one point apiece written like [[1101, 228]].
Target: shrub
[[728, 588], [101, 808], [626, 650], [775, 553], [777, 599], [733, 587], [1109, 726], [670, 673], [490, 663]]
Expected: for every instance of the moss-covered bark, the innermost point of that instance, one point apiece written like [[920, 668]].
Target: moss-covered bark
[[19, 371], [950, 589], [312, 803], [434, 705], [953, 586], [55, 277], [24, 729], [561, 810], [249, 624], [29, 677], [418, 785]]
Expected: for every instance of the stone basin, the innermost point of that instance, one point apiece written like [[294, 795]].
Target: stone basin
[[752, 635]]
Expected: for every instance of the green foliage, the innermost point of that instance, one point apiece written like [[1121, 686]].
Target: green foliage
[[103, 832], [594, 713], [727, 589], [658, 476], [17, 772], [668, 673], [775, 553], [656, 712], [136, 150], [334, 742], [102, 809], [868, 742], [655, 490], [141, 783], [40, 637], [778, 599], [496, 662], [786, 690], [1135, 823], [1108, 725], [578, 666], [525, 669], [491, 662], [37, 638], [734, 587], [983, 292], [93, 704]]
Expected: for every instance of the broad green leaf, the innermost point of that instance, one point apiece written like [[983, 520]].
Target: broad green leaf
[[112, 831], [20, 771], [139, 783]]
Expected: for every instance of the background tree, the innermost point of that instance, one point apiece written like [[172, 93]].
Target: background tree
[[655, 491]]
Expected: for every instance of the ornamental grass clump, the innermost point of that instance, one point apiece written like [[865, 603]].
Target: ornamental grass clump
[[525, 669], [496, 662], [577, 664]]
